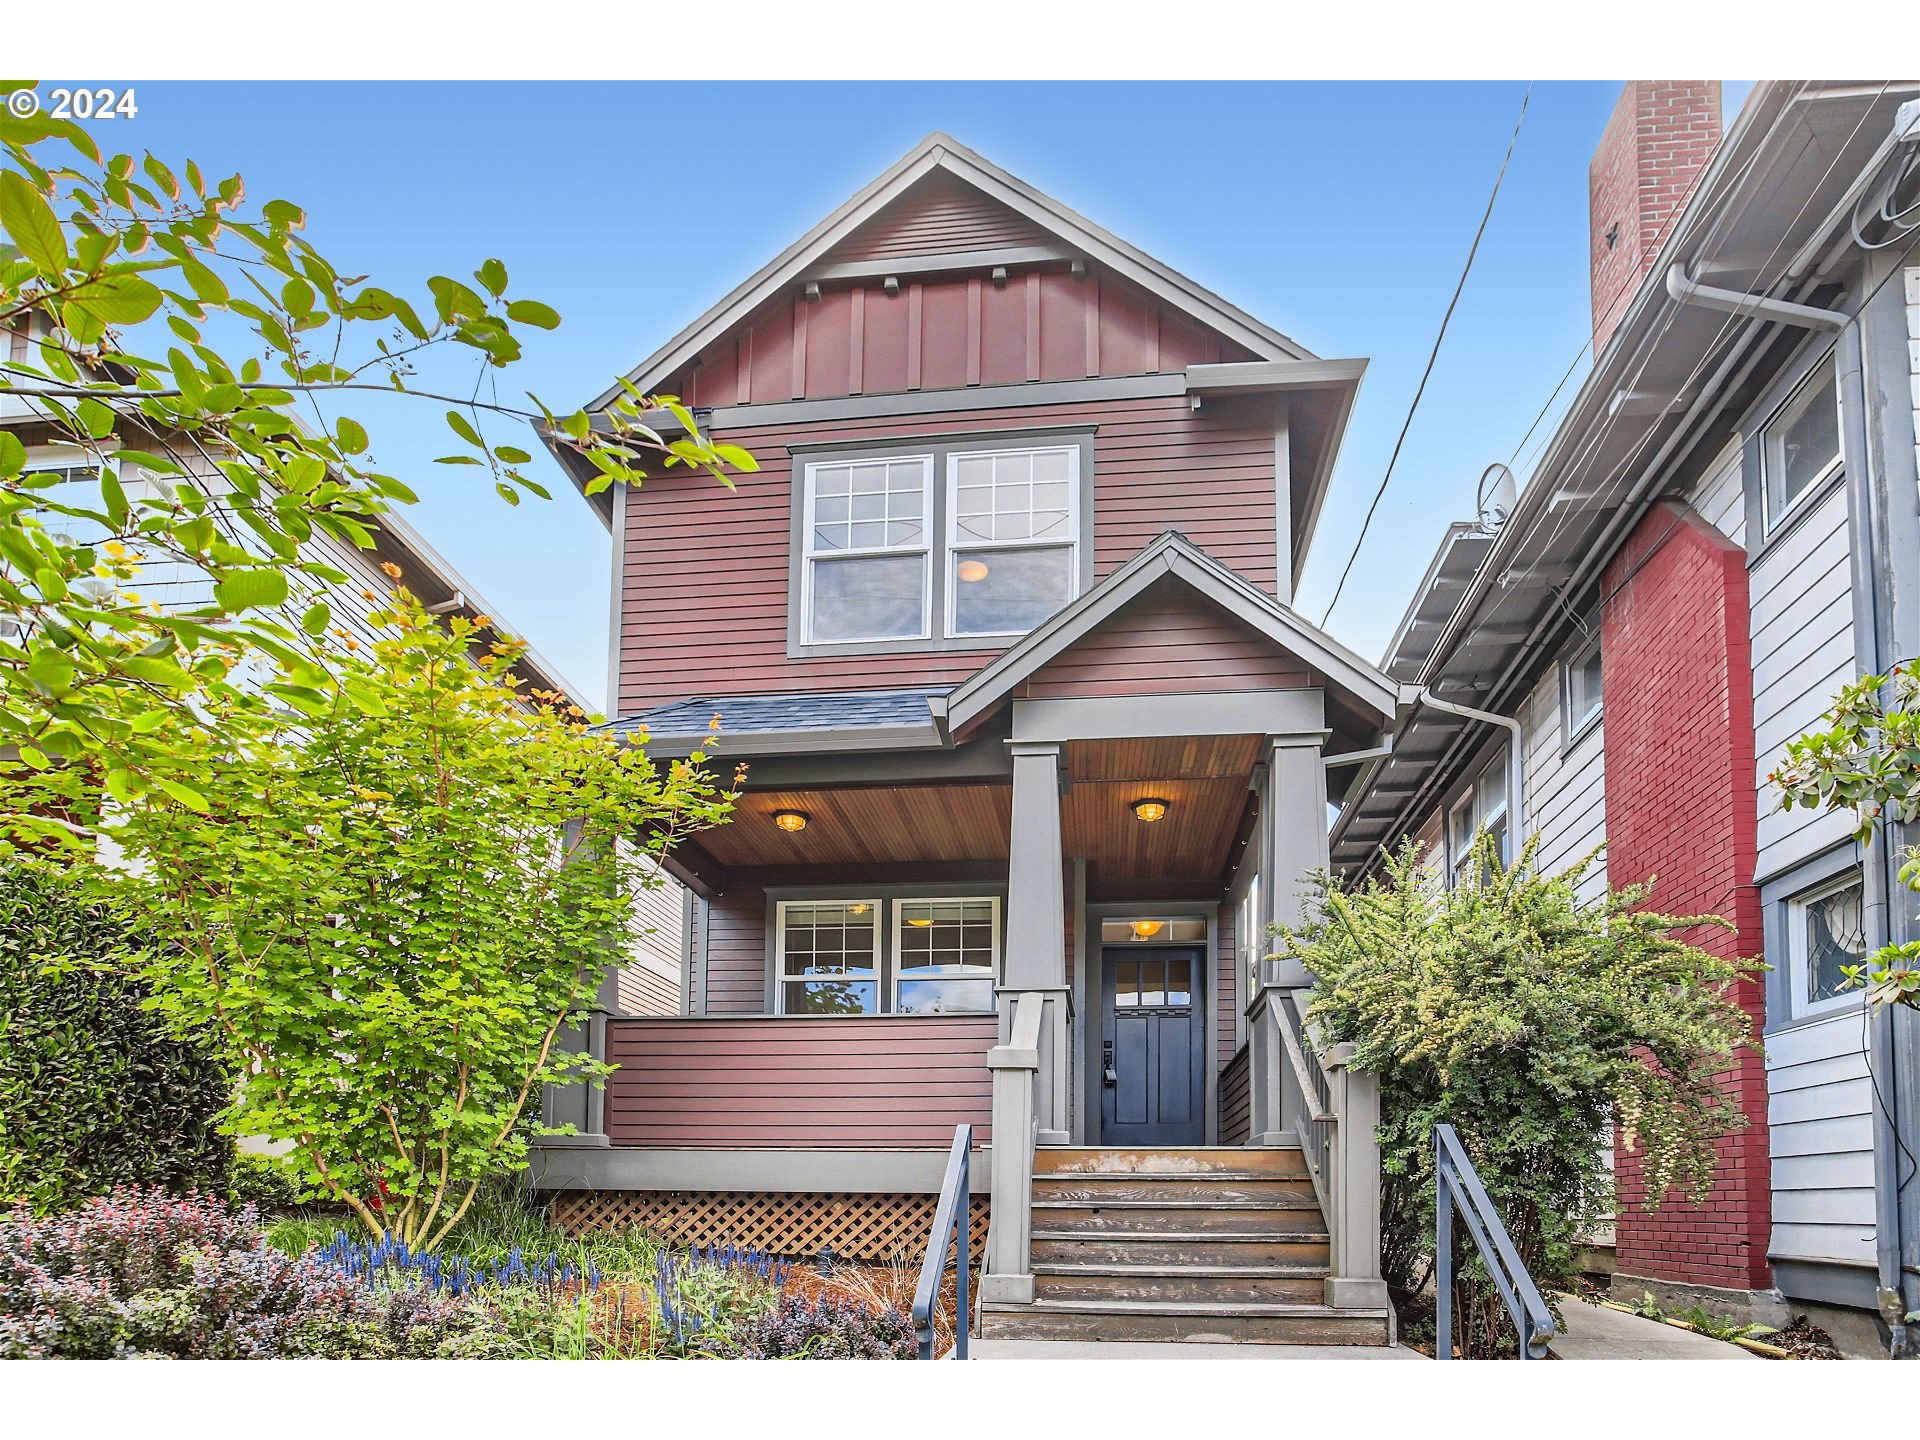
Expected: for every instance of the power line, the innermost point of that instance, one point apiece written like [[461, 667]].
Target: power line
[[1432, 357]]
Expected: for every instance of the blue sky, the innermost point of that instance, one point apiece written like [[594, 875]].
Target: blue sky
[[1339, 213]]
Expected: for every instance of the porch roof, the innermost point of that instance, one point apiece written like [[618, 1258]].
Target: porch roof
[[766, 724]]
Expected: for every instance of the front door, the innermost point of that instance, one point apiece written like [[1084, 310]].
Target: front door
[[1153, 1046]]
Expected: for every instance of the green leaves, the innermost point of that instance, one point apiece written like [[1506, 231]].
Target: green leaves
[[532, 312], [120, 298], [31, 224], [249, 590]]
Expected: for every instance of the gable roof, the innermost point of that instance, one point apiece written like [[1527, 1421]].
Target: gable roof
[[1174, 556], [940, 152]]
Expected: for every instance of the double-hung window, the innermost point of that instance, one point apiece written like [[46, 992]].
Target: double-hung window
[[970, 540], [1580, 690], [1481, 806], [902, 957], [1800, 446], [868, 540], [1012, 537]]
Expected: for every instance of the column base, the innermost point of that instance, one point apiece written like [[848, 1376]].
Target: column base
[[1346, 1294], [1052, 1137], [572, 1142], [1007, 1289], [1284, 1138]]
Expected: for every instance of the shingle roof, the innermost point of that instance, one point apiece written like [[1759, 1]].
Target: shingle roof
[[761, 714]]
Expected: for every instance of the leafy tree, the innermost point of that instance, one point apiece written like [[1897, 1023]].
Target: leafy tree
[[1867, 761], [394, 898], [123, 276], [1531, 1023], [95, 1090]]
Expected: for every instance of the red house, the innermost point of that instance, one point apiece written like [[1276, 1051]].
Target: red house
[[1037, 747]]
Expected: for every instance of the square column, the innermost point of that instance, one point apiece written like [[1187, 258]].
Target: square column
[[1293, 839], [1036, 945]]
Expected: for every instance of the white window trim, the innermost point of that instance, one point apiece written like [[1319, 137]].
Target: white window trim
[[808, 554], [1467, 800], [780, 976], [1800, 957], [1771, 522], [894, 966], [1579, 726], [955, 546]]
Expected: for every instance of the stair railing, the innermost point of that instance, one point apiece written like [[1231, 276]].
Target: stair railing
[[1457, 1187], [952, 1226]]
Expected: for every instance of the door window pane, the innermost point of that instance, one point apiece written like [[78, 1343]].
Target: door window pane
[[1008, 592], [1179, 981]]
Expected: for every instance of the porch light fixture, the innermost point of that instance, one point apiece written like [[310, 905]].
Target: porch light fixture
[[971, 570], [791, 821], [1149, 810], [1147, 929]]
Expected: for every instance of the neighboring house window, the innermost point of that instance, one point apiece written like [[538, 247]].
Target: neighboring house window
[[872, 957], [1012, 538], [947, 955], [1800, 446], [868, 532], [1580, 690], [1826, 930], [1481, 806], [964, 541]]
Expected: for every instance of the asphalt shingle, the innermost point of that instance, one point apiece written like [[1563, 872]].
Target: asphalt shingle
[[760, 714]]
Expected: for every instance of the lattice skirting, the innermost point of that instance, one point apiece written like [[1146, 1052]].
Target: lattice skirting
[[854, 1227]]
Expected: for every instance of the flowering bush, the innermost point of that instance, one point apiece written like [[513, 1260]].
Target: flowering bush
[[145, 1274], [394, 1262], [705, 1293], [829, 1328]]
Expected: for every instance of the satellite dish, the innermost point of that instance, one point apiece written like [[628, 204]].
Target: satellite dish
[[1497, 494]]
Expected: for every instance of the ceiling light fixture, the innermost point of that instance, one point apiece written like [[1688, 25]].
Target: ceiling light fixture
[[1150, 809], [972, 570], [919, 921], [1147, 929], [791, 821]]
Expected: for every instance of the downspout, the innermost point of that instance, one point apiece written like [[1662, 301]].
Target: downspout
[[1516, 753], [1876, 883]]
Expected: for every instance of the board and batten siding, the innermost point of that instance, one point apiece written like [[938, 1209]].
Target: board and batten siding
[[704, 581], [882, 1082]]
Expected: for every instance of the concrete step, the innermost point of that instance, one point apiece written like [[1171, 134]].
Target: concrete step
[[1241, 1324], [1211, 1186], [1181, 1160], [1207, 1284], [1152, 1246], [1279, 1216]]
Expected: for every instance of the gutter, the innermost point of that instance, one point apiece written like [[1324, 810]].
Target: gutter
[[1418, 695]]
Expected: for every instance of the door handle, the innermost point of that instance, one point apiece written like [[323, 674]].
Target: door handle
[[1106, 1064]]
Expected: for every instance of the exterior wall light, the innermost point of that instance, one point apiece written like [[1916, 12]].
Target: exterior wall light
[[1147, 929], [791, 821], [1150, 809]]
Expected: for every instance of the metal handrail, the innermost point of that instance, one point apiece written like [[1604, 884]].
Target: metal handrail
[[1455, 1181], [952, 1223]]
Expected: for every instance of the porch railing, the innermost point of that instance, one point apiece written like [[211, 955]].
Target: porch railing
[[1457, 1187], [951, 1224], [1315, 1098]]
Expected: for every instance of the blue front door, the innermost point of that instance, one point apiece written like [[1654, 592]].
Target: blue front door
[[1153, 1046]]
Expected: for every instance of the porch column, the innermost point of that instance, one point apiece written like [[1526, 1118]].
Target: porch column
[[1353, 1277], [1293, 840], [1036, 959]]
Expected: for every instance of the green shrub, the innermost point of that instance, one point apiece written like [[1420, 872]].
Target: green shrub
[[265, 1182], [95, 1091], [1531, 1023]]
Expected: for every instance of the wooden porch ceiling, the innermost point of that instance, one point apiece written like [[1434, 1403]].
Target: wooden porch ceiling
[[1204, 779]]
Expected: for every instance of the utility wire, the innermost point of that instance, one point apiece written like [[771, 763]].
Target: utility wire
[[1432, 357]]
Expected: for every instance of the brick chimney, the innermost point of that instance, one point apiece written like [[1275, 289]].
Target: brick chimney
[[1661, 136]]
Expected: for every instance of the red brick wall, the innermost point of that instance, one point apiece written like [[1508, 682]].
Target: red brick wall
[[1661, 136], [1677, 683]]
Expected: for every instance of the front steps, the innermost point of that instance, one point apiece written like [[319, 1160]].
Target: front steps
[[1196, 1245]]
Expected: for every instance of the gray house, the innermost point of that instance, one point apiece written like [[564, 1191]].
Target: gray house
[[1723, 531]]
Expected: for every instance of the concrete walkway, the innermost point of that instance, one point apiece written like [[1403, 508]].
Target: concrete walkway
[[1177, 1350], [1597, 1333]]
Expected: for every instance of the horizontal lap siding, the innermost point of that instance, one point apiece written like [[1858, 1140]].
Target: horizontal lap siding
[[1236, 1100], [1165, 643], [867, 1082], [939, 216], [1566, 787], [1802, 654], [736, 939], [1820, 1133], [706, 569]]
